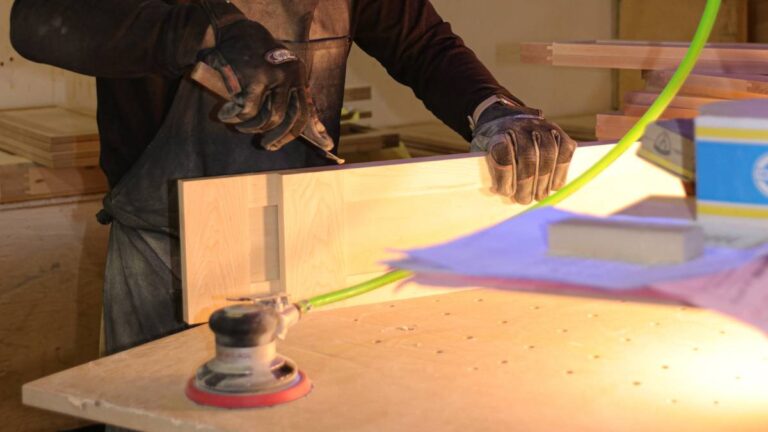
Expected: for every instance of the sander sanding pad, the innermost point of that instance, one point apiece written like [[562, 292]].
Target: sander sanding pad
[[299, 389]]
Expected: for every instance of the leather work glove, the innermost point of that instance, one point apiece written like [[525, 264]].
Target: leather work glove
[[266, 81], [528, 156]]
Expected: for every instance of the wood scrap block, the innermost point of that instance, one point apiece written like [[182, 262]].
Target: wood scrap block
[[621, 240], [355, 94], [613, 126]]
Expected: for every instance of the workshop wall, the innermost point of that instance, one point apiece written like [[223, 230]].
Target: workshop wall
[[494, 30], [27, 84]]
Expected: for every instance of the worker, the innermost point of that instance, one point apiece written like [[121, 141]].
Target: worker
[[283, 63]]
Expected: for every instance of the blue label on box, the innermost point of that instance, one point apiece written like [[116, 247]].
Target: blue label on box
[[732, 172]]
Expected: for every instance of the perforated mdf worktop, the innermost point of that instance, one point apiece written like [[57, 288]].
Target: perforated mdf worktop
[[474, 360]]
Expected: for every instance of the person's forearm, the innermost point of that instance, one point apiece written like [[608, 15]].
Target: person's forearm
[[109, 38], [419, 50]]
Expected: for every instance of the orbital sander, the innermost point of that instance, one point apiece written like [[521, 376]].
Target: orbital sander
[[247, 371]]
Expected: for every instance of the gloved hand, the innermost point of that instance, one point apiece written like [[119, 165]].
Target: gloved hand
[[528, 156], [267, 82]]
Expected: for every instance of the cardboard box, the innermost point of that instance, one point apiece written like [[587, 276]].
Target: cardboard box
[[669, 144], [732, 165]]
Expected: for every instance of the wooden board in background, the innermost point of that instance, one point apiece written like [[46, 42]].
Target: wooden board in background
[[613, 126], [478, 360], [737, 86], [642, 98], [671, 112], [50, 124], [643, 55], [328, 228], [21, 180]]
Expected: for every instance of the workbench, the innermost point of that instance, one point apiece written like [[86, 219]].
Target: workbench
[[424, 356], [467, 361]]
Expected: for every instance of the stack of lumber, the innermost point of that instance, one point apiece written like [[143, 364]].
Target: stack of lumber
[[724, 72], [51, 136], [22, 180]]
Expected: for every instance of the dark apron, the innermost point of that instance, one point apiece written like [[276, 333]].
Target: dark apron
[[142, 292]]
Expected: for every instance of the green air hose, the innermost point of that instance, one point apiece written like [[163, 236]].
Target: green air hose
[[654, 112]]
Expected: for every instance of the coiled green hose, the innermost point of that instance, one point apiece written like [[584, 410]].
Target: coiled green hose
[[654, 112]]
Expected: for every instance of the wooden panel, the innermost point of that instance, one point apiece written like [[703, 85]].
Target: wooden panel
[[51, 136], [312, 233], [51, 124], [719, 58], [472, 361], [216, 254], [336, 225]]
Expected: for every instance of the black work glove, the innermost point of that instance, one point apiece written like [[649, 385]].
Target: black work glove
[[266, 81], [528, 156]]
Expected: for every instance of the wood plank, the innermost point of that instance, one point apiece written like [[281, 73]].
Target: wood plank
[[543, 362], [50, 124], [642, 55], [48, 146], [738, 86], [339, 224], [671, 112], [644, 98], [49, 159], [613, 126], [28, 181]]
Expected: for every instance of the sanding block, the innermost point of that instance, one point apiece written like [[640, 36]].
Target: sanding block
[[646, 243]]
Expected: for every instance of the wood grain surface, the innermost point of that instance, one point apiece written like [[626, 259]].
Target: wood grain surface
[[336, 226], [475, 360]]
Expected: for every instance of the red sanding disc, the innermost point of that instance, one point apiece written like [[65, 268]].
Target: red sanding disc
[[299, 390]]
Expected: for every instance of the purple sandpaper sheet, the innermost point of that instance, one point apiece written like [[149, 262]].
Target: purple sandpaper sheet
[[517, 249]]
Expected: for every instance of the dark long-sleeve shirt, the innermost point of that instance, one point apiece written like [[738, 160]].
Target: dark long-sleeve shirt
[[138, 50]]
